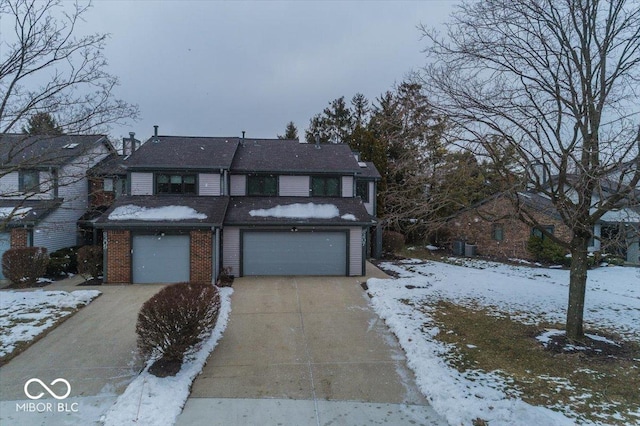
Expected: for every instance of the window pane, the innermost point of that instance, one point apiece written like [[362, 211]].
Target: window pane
[[253, 185], [163, 179], [317, 187], [190, 179], [176, 179], [362, 190], [332, 187], [108, 184], [30, 181], [270, 185]]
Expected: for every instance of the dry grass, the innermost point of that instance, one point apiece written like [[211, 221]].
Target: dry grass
[[602, 388]]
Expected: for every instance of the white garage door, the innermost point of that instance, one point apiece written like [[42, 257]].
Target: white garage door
[[294, 253], [5, 244], [160, 258]]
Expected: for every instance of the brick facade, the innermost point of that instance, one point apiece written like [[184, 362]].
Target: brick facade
[[201, 256], [97, 195], [118, 248], [477, 227], [19, 238]]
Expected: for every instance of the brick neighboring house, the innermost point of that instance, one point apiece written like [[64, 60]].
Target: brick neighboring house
[[493, 226], [197, 205], [44, 188]]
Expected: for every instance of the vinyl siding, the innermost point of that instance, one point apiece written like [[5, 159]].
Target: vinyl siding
[[347, 186], [238, 185], [9, 185], [141, 183], [58, 229], [231, 250], [294, 186], [209, 184], [355, 251]]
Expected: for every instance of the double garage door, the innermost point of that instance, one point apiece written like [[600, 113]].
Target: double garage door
[[160, 258], [294, 253]]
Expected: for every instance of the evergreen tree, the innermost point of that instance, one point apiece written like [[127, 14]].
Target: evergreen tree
[[334, 125], [290, 132], [42, 123]]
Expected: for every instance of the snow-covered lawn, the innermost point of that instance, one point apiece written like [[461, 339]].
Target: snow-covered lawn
[[154, 401], [529, 295], [25, 315]]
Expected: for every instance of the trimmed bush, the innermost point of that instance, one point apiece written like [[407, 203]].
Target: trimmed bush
[[545, 250], [90, 261], [24, 265], [63, 262], [175, 319], [392, 242]]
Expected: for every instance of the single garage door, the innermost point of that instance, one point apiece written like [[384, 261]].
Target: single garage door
[[160, 258], [5, 244], [294, 253]]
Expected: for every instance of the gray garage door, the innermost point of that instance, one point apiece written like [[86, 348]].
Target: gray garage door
[[160, 258], [5, 244], [294, 253]]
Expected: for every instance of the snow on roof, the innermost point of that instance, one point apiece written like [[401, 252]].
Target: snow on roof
[[348, 216], [622, 215], [170, 213], [301, 211], [15, 213]]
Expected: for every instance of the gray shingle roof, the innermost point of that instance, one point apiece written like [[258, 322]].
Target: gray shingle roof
[[112, 165], [27, 212], [239, 211], [283, 155], [181, 152], [213, 208], [369, 172], [44, 151]]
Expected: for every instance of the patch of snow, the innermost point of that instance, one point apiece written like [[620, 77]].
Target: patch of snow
[[348, 216], [529, 295], [155, 401], [299, 211], [15, 213], [27, 314], [170, 213], [432, 248]]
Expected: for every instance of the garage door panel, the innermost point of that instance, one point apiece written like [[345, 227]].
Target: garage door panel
[[160, 258], [294, 253]]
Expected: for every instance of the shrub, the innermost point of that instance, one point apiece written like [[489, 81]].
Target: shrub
[[177, 318], [63, 261], [23, 266], [392, 242], [90, 261], [545, 250]]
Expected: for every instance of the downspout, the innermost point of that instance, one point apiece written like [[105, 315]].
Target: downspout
[[216, 256], [104, 256]]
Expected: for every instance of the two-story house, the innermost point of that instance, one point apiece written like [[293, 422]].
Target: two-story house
[[44, 188], [251, 206]]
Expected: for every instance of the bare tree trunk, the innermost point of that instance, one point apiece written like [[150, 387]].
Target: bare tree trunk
[[577, 286]]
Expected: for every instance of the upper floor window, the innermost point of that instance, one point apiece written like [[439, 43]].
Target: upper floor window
[[537, 232], [29, 181], [174, 183], [262, 185], [362, 190], [325, 186]]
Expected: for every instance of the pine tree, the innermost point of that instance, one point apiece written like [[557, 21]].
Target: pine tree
[[42, 123], [290, 132]]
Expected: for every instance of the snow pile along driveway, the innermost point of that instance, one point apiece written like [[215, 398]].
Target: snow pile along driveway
[[24, 315], [530, 295]]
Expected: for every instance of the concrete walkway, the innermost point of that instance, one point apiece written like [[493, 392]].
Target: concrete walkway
[[305, 351], [94, 350]]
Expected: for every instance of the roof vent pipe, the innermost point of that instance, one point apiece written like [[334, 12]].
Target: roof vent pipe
[[155, 134], [317, 141], [243, 132]]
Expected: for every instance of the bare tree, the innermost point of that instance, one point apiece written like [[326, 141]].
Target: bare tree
[[556, 80], [45, 67]]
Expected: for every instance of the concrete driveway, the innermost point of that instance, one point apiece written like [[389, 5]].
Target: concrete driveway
[[305, 350], [94, 350]]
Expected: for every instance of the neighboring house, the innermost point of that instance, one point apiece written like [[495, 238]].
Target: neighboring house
[[251, 206], [44, 188], [494, 227]]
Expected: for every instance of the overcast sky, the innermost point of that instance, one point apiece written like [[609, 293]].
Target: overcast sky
[[205, 68]]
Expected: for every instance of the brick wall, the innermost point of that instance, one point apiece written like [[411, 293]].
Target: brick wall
[[19, 238], [97, 196], [118, 257], [201, 256], [476, 226]]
